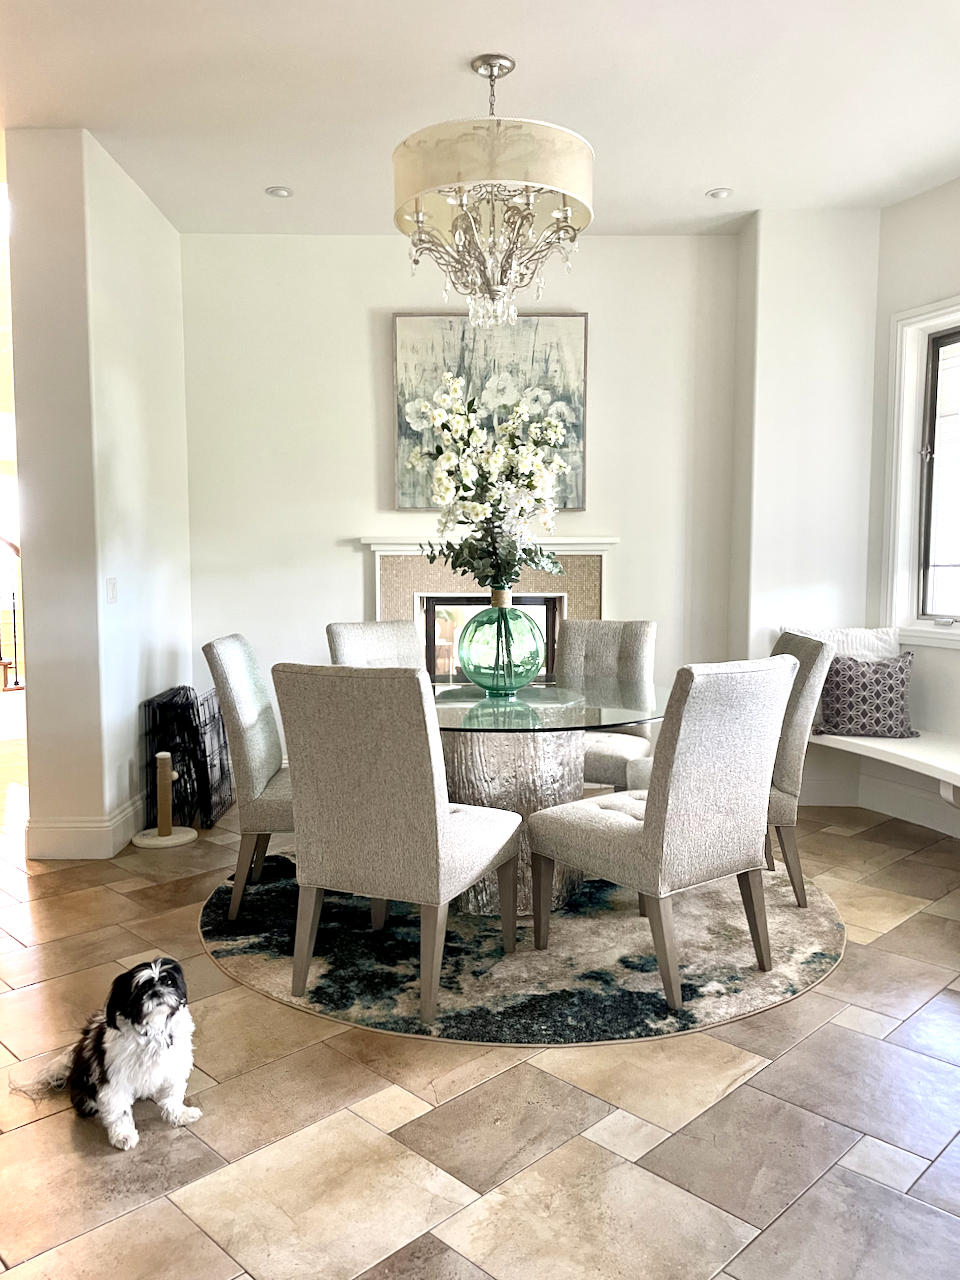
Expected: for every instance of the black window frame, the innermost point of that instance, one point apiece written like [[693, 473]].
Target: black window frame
[[928, 457]]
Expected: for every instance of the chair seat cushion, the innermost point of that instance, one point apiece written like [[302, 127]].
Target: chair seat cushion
[[599, 836], [606, 756], [273, 808], [475, 841]]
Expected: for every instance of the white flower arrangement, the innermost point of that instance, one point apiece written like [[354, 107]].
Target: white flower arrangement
[[491, 483]]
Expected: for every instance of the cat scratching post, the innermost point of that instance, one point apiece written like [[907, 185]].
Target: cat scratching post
[[164, 835]]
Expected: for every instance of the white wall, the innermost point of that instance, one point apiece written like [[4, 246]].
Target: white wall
[[919, 265], [815, 334], [55, 466], [135, 310], [289, 412], [744, 425], [98, 379]]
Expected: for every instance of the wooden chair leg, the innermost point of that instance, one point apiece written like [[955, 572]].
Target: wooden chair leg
[[433, 931], [542, 899], [643, 905], [379, 912], [660, 915], [248, 846], [258, 856], [308, 918], [507, 889], [768, 851], [787, 836], [751, 891]]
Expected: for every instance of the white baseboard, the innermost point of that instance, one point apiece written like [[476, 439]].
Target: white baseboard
[[56, 839]]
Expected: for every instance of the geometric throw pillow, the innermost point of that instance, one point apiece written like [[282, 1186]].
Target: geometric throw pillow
[[867, 699]]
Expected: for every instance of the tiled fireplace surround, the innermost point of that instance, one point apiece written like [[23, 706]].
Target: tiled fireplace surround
[[402, 575]]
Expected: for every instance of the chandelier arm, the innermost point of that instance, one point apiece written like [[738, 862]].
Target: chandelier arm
[[466, 276]]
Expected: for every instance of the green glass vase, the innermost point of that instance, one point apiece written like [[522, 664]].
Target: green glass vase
[[502, 648]]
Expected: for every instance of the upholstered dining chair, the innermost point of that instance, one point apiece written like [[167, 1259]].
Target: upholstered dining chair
[[399, 840], [590, 652], [262, 781], [374, 644], [705, 814], [814, 657]]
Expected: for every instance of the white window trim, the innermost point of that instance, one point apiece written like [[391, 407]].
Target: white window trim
[[901, 533]]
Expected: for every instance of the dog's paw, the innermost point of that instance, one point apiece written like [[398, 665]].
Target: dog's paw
[[187, 1115], [124, 1139]]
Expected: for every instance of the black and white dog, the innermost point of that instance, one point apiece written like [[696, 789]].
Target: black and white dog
[[140, 1045]]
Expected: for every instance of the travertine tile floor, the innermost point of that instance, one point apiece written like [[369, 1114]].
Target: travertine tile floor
[[817, 1141]]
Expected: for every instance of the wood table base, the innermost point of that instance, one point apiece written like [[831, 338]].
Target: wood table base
[[523, 772]]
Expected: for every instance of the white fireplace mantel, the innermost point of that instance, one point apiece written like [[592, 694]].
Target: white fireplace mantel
[[403, 545], [387, 548]]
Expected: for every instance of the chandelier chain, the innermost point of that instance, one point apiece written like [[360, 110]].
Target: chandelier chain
[[493, 90]]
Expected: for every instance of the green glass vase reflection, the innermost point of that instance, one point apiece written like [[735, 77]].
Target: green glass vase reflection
[[502, 648]]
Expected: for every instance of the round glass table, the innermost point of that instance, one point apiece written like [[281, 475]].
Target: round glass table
[[526, 753]]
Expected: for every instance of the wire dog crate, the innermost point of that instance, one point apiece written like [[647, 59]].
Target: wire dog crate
[[190, 727]]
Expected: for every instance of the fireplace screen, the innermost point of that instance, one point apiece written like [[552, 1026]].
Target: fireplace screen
[[444, 617]]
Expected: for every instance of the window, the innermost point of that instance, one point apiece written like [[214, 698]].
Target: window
[[939, 577]]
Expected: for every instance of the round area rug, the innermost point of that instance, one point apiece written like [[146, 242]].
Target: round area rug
[[597, 981]]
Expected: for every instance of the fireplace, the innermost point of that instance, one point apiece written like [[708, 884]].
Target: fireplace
[[443, 617], [405, 584]]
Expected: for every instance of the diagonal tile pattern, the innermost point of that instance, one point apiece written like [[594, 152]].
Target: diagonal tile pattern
[[934, 1029], [751, 1154], [156, 1241], [896, 1095], [667, 1082], [331, 1200], [484, 1136], [360, 1155], [94, 1183], [574, 1215], [846, 1227], [425, 1259]]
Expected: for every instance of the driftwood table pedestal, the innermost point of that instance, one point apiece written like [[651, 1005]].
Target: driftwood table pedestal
[[526, 753], [523, 772]]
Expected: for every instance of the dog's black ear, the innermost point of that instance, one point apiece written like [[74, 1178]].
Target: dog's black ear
[[121, 994]]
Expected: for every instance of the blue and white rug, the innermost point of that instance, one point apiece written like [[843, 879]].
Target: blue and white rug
[[597, 981]]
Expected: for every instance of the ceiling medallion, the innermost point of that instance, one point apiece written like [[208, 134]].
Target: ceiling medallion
[[490, 199]]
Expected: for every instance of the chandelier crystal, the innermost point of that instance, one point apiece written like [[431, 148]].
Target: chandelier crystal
[[490, 199]]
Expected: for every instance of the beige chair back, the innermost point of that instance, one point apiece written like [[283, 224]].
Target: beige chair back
[[369, 788], [248, 717], [590, 650], [375, 644], [814, 657], [706, 813]]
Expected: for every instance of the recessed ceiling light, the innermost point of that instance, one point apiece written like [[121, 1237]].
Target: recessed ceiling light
[[282, 193], [719, 193]]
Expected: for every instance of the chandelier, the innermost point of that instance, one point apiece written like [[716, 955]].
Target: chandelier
[[489, 200]]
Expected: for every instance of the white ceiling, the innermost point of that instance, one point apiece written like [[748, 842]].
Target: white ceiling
[[206, 102]]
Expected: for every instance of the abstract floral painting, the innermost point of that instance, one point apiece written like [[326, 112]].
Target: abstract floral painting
[[540, 359]]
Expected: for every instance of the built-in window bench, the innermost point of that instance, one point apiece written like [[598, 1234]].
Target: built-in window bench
[[935, 755]]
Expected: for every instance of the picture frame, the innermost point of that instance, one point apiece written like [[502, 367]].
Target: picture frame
[[499, 364]]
